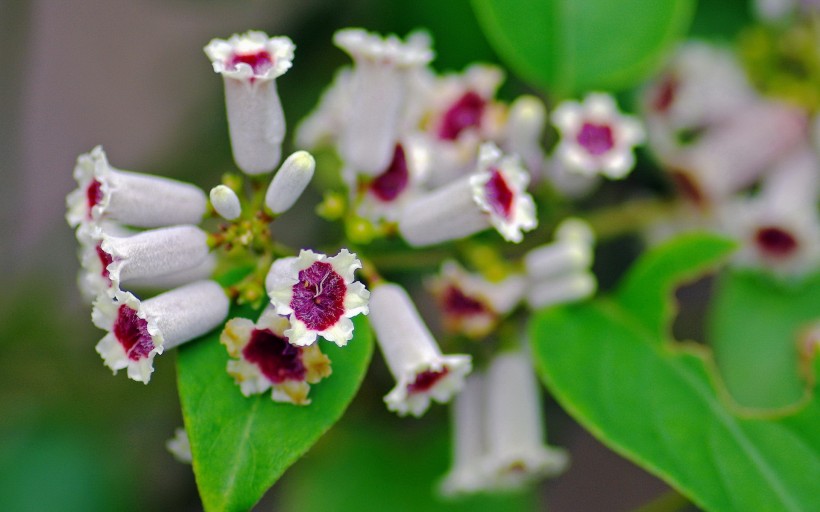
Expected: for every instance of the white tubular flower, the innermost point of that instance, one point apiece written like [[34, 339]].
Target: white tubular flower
[[568, 182], [142, 200], [780, 227], [263, 359], [225, 202], [139, 330], [318, 294], [516, 451], [467, 413], [495, 195], [500, 190], [324, 124], [180, 446], [422, 373], [525, 128], [290, 181], [203, 270], [735, 153], [145, 255], [384, 196], [377, 98], [561, 289], [470, 304], [571, 252], [704, 84], [250, 64], [595, 137]]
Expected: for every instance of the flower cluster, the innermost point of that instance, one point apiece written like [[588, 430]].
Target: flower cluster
[[744, 163]]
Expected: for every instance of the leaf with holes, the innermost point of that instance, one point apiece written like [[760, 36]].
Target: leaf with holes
[[240, 445], [657, 402], [570, 46]]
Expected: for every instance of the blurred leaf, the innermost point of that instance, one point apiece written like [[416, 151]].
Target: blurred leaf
[[656, 403], [241, 446], [754, 328], [571, 46], [720, 19], [367, 467], [647, 290]]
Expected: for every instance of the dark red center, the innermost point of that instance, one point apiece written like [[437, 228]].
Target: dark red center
[[277, 359], [259, 62], [464, 113], [388, 185], [665, 94], [318, 297], [426, 380], [105, 260], [776, 241], [596, 138], [93, 195], [499, 194], [132, 333], [458, 304]]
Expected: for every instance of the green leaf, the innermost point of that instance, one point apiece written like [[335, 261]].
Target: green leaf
[[647, 290], [754, 327], [367, 466], [658, 407], [240, 445], [570, 46], [661, 404]]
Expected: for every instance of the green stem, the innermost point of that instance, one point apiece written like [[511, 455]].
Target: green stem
[[629, 217], [670, 501]]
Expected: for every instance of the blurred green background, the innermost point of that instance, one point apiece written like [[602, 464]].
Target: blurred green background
[[131, 75]]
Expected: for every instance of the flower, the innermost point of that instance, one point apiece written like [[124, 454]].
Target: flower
[[149, 254], [385, 194], [560, 272], [467, 411], [139, 330], [495, 195], [500, 189], [289, 183], [515, 450], [142, 200], [779, 229], [377, 95], [735, 153], [422, 373], [250, 64], [180, 446], [263, 359], [318, 294], [469, 303], [524, 130], [596, 137]]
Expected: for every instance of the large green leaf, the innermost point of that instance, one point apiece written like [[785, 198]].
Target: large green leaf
[[754, 329], [569, 46], [658, 402], [240, 445], [375, 466]]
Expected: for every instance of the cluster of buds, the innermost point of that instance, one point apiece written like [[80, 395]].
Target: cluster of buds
[[743, 163]]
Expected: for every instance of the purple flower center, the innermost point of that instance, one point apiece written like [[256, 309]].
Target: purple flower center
[[319, 296], [105, 260], [277, 359], [499, 194], [456, 303], [132, 333], [596, 138], [776, 241], [665, 94], [388, 185], [426, 380], [464, 113], [93, 195], [259, 62]]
